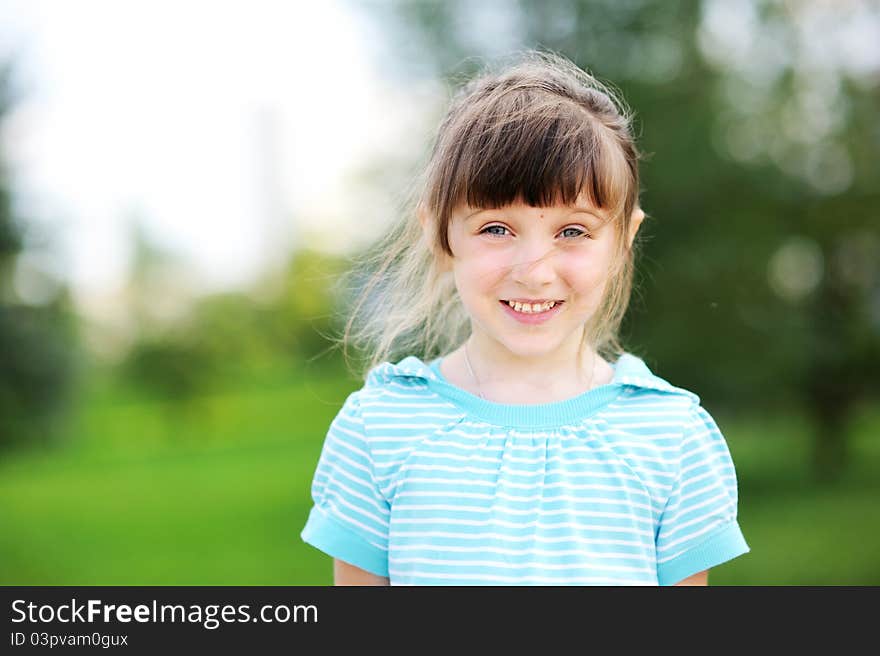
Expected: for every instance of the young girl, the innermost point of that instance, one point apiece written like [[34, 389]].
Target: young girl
[[535, 450]]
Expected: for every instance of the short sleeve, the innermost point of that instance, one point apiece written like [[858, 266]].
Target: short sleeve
[[350, 516], [698, 528]]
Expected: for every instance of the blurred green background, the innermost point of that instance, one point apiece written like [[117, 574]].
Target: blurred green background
[[183, 452]]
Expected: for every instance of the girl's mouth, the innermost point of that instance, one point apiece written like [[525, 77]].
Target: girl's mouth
[[540, 315]]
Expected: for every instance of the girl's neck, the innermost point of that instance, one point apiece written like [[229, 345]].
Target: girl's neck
[[498, 377]]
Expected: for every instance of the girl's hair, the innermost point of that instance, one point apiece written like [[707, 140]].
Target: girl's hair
[[539, 130]]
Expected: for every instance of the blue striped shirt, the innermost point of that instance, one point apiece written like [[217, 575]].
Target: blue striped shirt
[[630, 483]]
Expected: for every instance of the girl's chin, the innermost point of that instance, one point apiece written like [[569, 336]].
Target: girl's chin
[[535, 348]]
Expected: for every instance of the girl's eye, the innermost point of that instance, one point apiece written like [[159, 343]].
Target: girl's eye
[[578, 231], [495, 234]]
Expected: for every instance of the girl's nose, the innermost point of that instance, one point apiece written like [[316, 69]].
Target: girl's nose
[[534, 268]]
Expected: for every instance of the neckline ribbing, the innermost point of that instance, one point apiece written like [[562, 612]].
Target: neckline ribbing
[[546, 415]]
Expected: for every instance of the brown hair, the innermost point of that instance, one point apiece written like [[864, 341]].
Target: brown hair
[[539, 130]]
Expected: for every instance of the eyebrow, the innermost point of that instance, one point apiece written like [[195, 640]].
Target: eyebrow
[[474, 213], [592, 212]]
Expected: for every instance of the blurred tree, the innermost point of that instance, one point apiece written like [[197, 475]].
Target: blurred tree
[[163, 359], [758, 283], [282, 322], [37, 339], [302, 308]]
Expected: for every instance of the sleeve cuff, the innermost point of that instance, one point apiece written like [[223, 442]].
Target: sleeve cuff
[[325, 533], [722, 545]]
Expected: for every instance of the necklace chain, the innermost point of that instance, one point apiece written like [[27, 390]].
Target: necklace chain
[[467, 361]]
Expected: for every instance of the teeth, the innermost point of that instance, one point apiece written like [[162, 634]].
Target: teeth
[[530, 308]]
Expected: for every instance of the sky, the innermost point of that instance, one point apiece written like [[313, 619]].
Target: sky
[[231, 130]]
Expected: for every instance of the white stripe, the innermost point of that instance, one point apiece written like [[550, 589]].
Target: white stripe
[[337, 513], [517, 552], [564, 459], [614, 410], [567, 512], [495, 432], [343, 416], [650, 446], [511, 497], [553, 460], [575, 446], [666, 547], [708, 462], [413, 414], [505, 437], [520, 525], [503, 565], [398, 405], [376, 427], [689, 482], [548, 486], [651, 424], [696, 437], [330, 449], [502, 470], [504, 537], [580, 486], [391, 452], [665, 533], [684, 497], [649, 401], [409, 438], [338, 484], [545, 580], [347, 444]]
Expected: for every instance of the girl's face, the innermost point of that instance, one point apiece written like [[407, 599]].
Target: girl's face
[[522, 253]]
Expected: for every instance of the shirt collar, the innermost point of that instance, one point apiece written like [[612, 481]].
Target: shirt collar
[[629, 370]]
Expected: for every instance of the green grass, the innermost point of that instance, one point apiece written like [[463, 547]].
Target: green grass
[[801, 533], [216, 494]]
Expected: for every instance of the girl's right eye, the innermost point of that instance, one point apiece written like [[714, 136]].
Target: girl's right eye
[[494, 234]]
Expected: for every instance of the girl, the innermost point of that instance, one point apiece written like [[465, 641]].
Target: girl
[[535, 450]]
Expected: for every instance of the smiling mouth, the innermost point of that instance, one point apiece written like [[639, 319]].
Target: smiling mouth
[[531, 308]]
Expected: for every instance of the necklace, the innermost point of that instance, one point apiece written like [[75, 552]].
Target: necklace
[[467, 361]]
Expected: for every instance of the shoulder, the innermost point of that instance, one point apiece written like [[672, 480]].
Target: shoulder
[[391, 383], [398, 411], [649, 397], [391, 392], [652, 406], [399, 395]]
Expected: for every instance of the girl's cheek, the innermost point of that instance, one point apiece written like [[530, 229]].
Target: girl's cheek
[[583, 261], [493, 269]]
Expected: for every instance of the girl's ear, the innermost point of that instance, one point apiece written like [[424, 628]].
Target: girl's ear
[[635, 220], [422, 213], [427, 225]]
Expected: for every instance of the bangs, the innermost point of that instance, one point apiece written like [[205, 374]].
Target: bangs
[[553, 153]]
